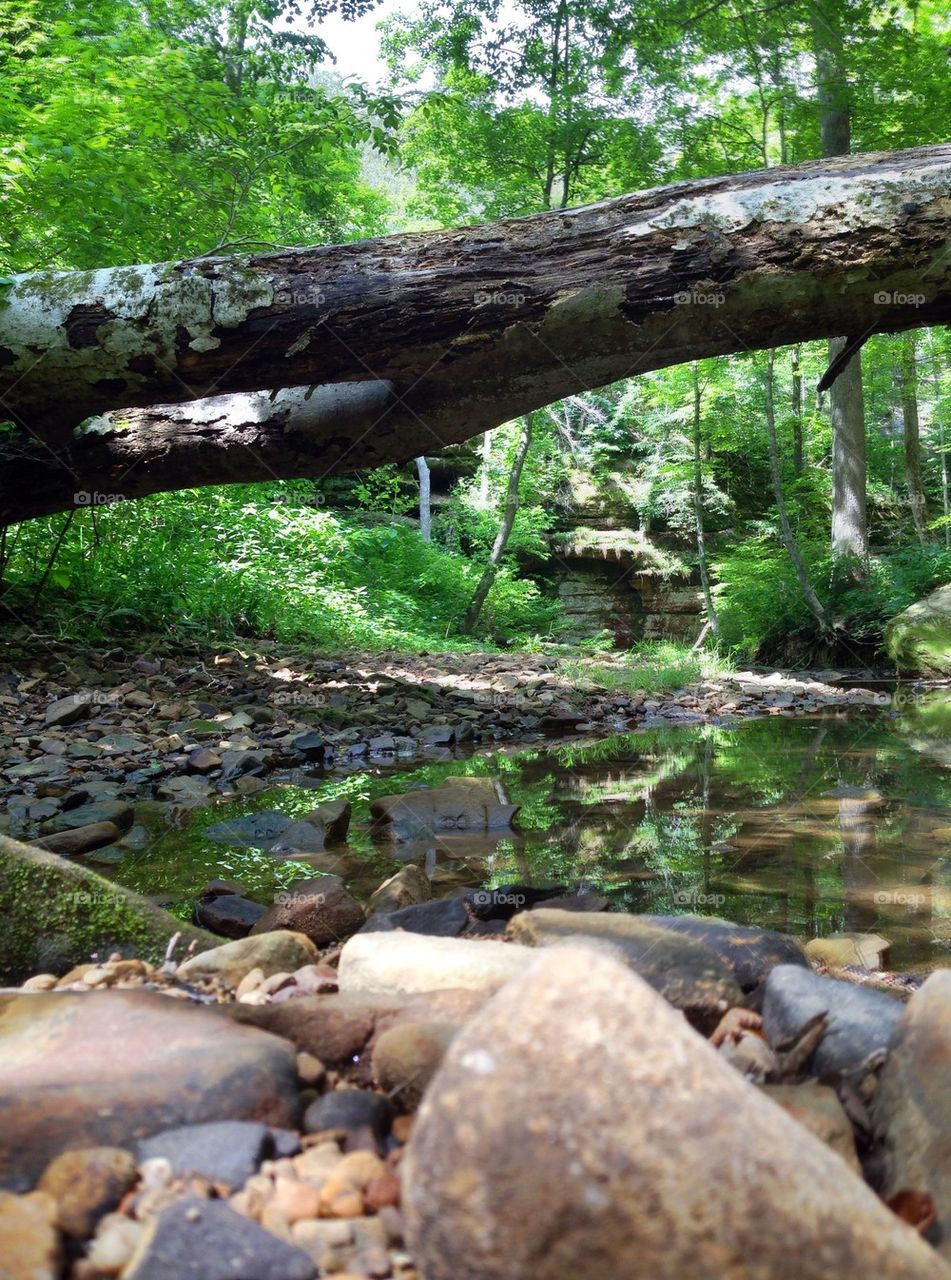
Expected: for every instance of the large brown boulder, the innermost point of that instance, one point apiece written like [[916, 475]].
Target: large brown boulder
[[913, 1103], [109, 1067], [579, 1128]]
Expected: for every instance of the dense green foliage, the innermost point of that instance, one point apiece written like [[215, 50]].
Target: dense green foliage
[[258, 560], [169, 129]]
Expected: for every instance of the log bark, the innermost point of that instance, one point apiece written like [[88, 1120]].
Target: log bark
[[415, 342]]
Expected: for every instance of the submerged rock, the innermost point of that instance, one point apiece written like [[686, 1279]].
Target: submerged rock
[[913, 1103], [326, 825], [685, 972], [460, 806], [860, 1020], [408, 887], [579, 1128], [252, 831], [107, 1068]]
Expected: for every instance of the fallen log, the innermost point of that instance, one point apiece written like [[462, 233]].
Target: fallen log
[[394, 347]]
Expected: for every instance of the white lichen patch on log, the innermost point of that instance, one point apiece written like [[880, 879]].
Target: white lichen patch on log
[[854, 200], [145, 309]]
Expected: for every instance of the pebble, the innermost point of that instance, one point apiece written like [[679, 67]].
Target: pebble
[[87, 1183], [30, 1242], [363, 1117]]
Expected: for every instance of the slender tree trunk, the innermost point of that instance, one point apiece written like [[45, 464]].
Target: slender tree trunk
[[849, 480], [786, 530], [945, 499], [910, 424], [485, 469], [471, 618], [425, 508], [797, 412], [849, 519], [698, 504]]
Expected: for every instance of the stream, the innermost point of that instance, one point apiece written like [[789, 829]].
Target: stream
[[809, 824]]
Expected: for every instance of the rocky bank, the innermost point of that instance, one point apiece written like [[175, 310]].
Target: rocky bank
[[557, 1090]]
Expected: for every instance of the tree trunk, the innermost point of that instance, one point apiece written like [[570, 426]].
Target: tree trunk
[[945, 504], [797, 412], [786, 529], [425, 508], [908, 382], [849, 475], [849, 522], [393, 347], [484, 469], [471, 619], [698, 504]]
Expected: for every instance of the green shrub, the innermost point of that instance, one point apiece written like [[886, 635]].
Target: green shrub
[[761, 609], [256, 560]]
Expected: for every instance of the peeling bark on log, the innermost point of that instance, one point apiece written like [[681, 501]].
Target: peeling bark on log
[[415, 342]]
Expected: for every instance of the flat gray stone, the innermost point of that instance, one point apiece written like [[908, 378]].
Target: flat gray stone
[[861, 1020], [197, 1239], [227, 1151]]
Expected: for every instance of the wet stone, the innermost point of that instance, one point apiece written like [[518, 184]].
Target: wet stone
[[364, 1117], [438, 918], [228, 1151], [860, 1020], [206, 1240], [229, 914], [749, 953], [256, 830]]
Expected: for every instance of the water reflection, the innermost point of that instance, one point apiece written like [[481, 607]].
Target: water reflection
[[810, 825]]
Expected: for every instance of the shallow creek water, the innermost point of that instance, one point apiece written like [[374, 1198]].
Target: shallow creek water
[[811, 825]]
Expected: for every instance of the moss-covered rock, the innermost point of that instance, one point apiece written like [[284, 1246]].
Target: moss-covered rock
[[919, 638], [54, 914]]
